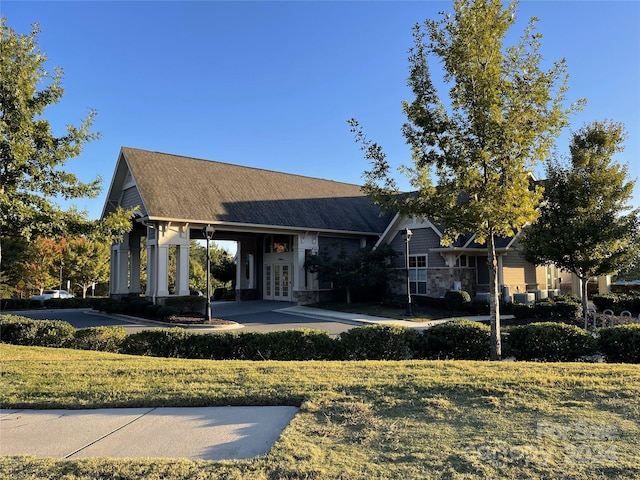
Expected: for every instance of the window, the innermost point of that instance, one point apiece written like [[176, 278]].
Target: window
[[418, 274], [277, 244], [465, 261]]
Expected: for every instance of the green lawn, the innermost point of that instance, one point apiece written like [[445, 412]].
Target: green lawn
[[358, 420]]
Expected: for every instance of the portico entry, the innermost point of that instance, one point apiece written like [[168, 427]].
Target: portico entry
[[278, 280]]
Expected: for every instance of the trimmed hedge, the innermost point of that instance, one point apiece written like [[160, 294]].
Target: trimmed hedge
[[549, 342], [303, 344], [377, 342], [103, 339], [19, 304], [187, 303], [19, 330], [457, 339], [168, 342], [620, 344], [548, 310], [618, 302]]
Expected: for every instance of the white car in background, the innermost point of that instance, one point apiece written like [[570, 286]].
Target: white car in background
[[49, 294]]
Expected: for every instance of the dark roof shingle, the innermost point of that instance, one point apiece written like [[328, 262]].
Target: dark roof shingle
[[184, 188]]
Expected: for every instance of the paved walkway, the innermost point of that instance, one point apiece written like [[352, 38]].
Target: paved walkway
[[208, 433]]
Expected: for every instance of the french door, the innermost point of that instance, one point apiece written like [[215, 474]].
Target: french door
[[277, 281]]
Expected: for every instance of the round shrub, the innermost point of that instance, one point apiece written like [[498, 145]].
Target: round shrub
[[299, 344], [151, 311], [457, 339], [41, 333], [167, 313], [620, 343], [214, 346], [549, 342], [172, 342], [457, 300], [377, 342], [103, 339], [568, 310], [138, 306]]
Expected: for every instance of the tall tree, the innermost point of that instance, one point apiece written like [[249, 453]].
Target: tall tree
[[41, 262], [503, 114], [582, 226], [86, 262], [31, 155]]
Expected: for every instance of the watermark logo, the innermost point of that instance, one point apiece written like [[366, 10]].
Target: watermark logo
[[576, 442], [584, 442]]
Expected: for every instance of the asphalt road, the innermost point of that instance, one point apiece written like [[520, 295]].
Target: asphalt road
[[256, 316]]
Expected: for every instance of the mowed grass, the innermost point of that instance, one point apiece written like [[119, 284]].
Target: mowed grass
[[357, 420]]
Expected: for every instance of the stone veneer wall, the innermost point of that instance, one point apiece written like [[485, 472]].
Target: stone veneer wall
[[439, 281]]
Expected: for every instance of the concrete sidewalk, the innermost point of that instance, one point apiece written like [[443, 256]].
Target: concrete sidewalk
[[194, 433], [359, 319]]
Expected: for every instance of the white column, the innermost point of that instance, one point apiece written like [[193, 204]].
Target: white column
[[113, 267], [151, 290], [162, 271], [239, 265], [182, 269], [122, 266], [134, 263]]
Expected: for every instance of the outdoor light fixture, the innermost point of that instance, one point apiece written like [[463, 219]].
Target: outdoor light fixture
[[407, 238], [208, 233]]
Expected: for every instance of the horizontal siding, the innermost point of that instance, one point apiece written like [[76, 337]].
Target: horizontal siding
[[131, 198], [422, 241]]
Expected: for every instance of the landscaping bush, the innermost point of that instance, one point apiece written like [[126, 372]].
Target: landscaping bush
[[457, 300], [603, 302], [43, 333], [549, 342], [172, 342], [186, 304], [479, 307], [457, 339], [568, 310], [377, 342], [138, 306], [618, 302], [522, 310], [548, 310], [151, 311], [300, 344], [166, 313], [109, 305], [214, 346], [620, 344], [19, 304], [103, 339]]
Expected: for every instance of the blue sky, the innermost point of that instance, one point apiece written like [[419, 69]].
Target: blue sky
[[272, 84]]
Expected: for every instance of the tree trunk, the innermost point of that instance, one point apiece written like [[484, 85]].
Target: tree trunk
[[584, 283], [348, 295], [495, 350]]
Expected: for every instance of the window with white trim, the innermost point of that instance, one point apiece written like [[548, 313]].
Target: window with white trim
[[418, 274]]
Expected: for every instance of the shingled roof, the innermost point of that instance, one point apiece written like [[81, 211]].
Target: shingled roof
[[174, 187]]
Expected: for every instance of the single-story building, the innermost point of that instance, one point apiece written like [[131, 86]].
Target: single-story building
[[277, 220]]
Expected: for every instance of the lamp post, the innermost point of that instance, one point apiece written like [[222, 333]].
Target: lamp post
[[407, 237], [61, 265], [208, 233]]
